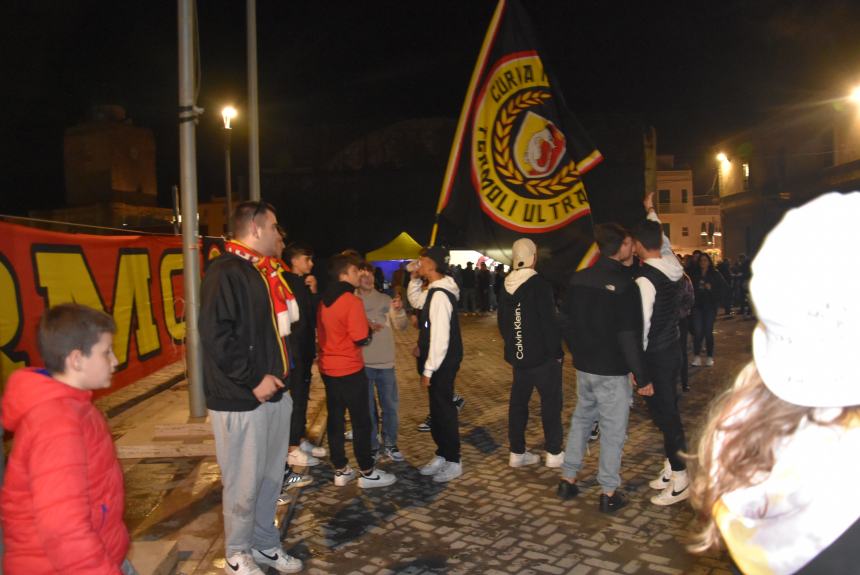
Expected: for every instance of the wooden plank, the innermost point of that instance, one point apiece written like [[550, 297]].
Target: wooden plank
[[154, 557], [196, 430], [203, 449]]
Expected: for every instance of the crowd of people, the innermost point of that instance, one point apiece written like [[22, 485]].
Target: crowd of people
[[770, 477]]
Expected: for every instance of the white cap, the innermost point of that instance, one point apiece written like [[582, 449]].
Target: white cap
[[806, 290], [523, 254]]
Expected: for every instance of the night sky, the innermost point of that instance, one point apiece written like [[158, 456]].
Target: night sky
[[695, 70]]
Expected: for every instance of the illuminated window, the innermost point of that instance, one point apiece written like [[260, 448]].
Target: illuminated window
[[746, 168]]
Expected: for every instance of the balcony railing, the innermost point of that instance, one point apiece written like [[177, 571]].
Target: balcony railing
[[671, 208]]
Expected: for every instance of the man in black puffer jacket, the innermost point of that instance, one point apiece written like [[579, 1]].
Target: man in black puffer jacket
[[603, 329], [528, 324]]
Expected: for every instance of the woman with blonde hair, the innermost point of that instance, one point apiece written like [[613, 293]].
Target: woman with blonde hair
[[778, 465]]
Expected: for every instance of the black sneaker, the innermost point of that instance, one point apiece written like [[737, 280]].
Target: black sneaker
[[459, 402], [614, 503], [595, 432], [567, 490], [424, 425]]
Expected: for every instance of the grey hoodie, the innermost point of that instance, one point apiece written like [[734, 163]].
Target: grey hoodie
[[379, 354]]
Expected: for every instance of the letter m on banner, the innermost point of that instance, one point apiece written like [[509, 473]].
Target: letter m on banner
[[518, 157]]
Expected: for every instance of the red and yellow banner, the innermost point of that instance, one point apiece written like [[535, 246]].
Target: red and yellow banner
[[136, 279]]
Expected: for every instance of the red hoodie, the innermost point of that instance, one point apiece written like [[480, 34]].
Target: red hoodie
[[342, 330], [63, 497]]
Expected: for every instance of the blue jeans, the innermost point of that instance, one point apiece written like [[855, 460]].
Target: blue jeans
[[384, 384], [606, 399]]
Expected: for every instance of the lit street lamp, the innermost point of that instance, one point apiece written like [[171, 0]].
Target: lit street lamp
[[228, 114], [855, 95]]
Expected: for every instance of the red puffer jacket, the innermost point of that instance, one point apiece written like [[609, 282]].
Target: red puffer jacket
[[63, 497]]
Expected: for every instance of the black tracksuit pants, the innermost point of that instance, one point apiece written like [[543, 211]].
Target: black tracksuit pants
[[444, 424], [546, 377], [662, 367], [348, 392], [300, 386]]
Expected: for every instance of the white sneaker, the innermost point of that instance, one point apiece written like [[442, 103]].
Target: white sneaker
[[709, 362], [277, 558], [665, 477], [697, 361], [299, 458], [522, 459], [433, 467], [343, 476], [312, 449], [241, 564], [376, 478], [450, 471], [393, 453], [678, 490], [554, 459], [347, 435]]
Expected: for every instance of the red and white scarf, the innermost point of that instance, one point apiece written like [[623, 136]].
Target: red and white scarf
[[284, 303]]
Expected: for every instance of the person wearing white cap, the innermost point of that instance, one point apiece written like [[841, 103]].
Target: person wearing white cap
[[778, 467], [529, 327]]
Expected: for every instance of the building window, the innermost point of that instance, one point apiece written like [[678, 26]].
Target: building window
[[683, 196], [666, 229], [746, 168], [685, 231], [664, 196]]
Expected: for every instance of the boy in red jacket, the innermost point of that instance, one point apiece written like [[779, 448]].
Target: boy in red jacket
[[342, 330], [63, 498]]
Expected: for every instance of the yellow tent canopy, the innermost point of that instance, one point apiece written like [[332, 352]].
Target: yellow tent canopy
[[403, 247]]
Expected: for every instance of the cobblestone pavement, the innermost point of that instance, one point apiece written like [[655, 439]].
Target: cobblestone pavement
[[495, 519]]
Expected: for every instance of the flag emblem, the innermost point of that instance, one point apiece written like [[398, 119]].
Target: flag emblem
[[538, 147], [521, 170]]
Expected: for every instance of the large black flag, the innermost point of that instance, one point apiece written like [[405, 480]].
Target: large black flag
[[518, 157]]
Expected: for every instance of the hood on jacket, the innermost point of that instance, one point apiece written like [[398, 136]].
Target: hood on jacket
[[29, 387], [447, 283], [669, 265], [516, 278], [334, 291]]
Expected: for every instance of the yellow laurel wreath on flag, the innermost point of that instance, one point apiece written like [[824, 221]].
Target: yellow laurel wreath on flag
[[502, 149]]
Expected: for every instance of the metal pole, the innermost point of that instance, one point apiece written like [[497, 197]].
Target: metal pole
[[229, 179], [253, 107], [188, 187]]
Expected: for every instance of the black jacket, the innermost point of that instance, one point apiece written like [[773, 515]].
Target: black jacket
[[663, 333], [303, 332], [603, 321], [529, 324], [238, 335], [710, 288]]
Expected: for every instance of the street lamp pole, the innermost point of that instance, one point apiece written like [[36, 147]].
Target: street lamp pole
[[228, 114]]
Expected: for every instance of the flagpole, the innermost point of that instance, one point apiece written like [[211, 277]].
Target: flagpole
[[454, 156]]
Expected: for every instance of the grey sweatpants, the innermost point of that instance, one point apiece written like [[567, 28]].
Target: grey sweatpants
[[251, 448], [606, 399]]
